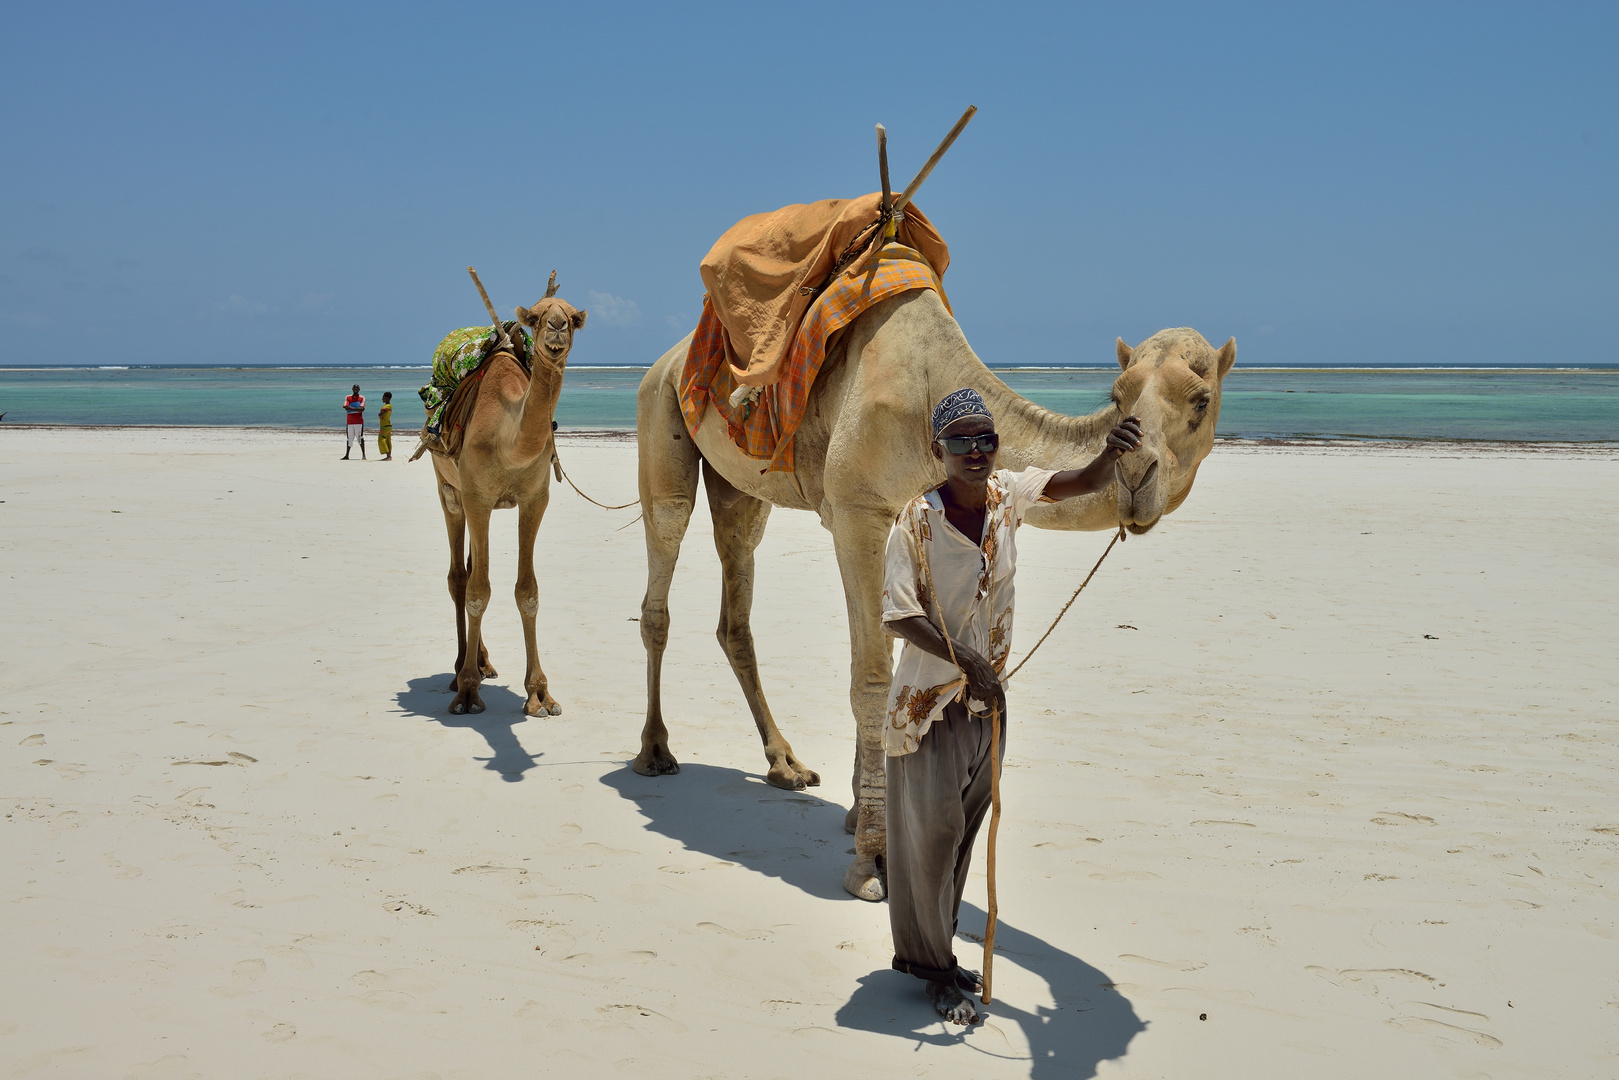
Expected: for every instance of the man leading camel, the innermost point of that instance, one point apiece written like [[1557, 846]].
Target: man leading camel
[[950, 562]]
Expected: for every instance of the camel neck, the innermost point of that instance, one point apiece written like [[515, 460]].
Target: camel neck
[[539, 409], [1030, 434]]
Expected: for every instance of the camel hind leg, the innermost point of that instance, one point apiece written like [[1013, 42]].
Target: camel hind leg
[[739, 525], [668, 481]]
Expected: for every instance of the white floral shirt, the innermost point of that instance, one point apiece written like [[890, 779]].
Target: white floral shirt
[[973, 586]]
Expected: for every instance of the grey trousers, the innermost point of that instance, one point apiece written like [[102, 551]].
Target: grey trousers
[[937, 799]]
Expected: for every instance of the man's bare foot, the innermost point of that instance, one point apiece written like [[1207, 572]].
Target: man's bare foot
[[950, 1004], [969, 980]]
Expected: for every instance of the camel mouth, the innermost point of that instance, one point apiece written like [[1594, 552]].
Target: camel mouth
[[1140, 530]]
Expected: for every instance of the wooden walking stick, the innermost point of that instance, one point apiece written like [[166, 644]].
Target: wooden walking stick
[[989, 860]]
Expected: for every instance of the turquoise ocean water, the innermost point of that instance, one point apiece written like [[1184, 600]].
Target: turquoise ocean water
[[1498, 404]]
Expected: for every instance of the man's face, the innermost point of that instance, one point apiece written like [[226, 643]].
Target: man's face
[[356, 391], [976, 464]]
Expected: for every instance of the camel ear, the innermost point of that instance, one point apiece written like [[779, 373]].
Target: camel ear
[[523, 316], [1126, 354], [578, 320], [1227, 356]]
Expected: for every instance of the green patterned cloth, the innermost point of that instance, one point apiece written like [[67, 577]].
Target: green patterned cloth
[[456, 357]]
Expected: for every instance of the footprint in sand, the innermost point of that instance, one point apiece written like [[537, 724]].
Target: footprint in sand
[[279, 1033], [167, 1067], [33, 740], [1443, 1028], [716, 928], [1394, 817], [1173, 965], [125, 871], [395, 988], [1371, 981], [242, 977], [693, 869], [630, 956], [639, 1018]]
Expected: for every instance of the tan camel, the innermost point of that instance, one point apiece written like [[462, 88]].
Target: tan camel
[[504, 461], [862, 454]]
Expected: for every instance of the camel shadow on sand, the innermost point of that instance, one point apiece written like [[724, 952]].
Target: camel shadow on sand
[[736, 816], [1090, 1022], [503, 710]]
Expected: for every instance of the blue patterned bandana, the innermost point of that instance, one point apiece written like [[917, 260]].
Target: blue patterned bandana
[[956, 404]]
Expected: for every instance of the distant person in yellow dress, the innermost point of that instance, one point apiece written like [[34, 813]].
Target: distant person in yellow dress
[[385, 427]]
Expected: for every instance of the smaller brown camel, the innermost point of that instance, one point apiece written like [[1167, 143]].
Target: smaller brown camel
[[505, 461]]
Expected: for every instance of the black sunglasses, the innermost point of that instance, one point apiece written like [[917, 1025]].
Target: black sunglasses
[[987, 444]]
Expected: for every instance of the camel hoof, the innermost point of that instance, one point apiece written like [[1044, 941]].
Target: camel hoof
[[554, 709], [811, 777], [851, 819], [861, 880], [488, 672], [657, 762], [785, 778]]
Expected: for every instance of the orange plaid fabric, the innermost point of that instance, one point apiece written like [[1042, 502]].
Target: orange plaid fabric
[[765, 429]]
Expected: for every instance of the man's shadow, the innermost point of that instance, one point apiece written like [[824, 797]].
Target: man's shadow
[[1090, 1022], [736, 816], [503, 709]]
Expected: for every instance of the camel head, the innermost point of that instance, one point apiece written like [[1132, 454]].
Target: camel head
[[1172, 382], [552, 321]]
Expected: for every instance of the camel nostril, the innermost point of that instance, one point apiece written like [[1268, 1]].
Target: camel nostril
[[1146, 477]]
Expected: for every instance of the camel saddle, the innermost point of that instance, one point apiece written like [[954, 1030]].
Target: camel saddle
[[459, 365]]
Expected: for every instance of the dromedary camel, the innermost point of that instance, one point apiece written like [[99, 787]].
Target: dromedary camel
[[862, 454], [504, 461]]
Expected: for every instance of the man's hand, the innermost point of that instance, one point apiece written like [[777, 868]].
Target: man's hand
[[1125, 437], [982, 681]]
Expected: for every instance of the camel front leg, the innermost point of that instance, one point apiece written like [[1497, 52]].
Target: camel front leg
[[739, 525], [860, 537], [540, 702], [455, 524], [474, 663]]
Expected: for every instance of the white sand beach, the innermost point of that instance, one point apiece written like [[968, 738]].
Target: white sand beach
[[1318, 779]]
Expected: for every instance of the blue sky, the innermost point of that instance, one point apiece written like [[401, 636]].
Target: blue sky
[[305, 183]]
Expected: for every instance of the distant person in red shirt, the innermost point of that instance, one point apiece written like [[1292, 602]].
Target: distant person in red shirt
[[354, 407]]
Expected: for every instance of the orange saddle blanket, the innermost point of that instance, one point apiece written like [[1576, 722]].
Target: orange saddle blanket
[[764, 326]]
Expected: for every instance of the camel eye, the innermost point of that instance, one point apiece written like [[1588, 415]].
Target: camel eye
[[1200, 404]]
